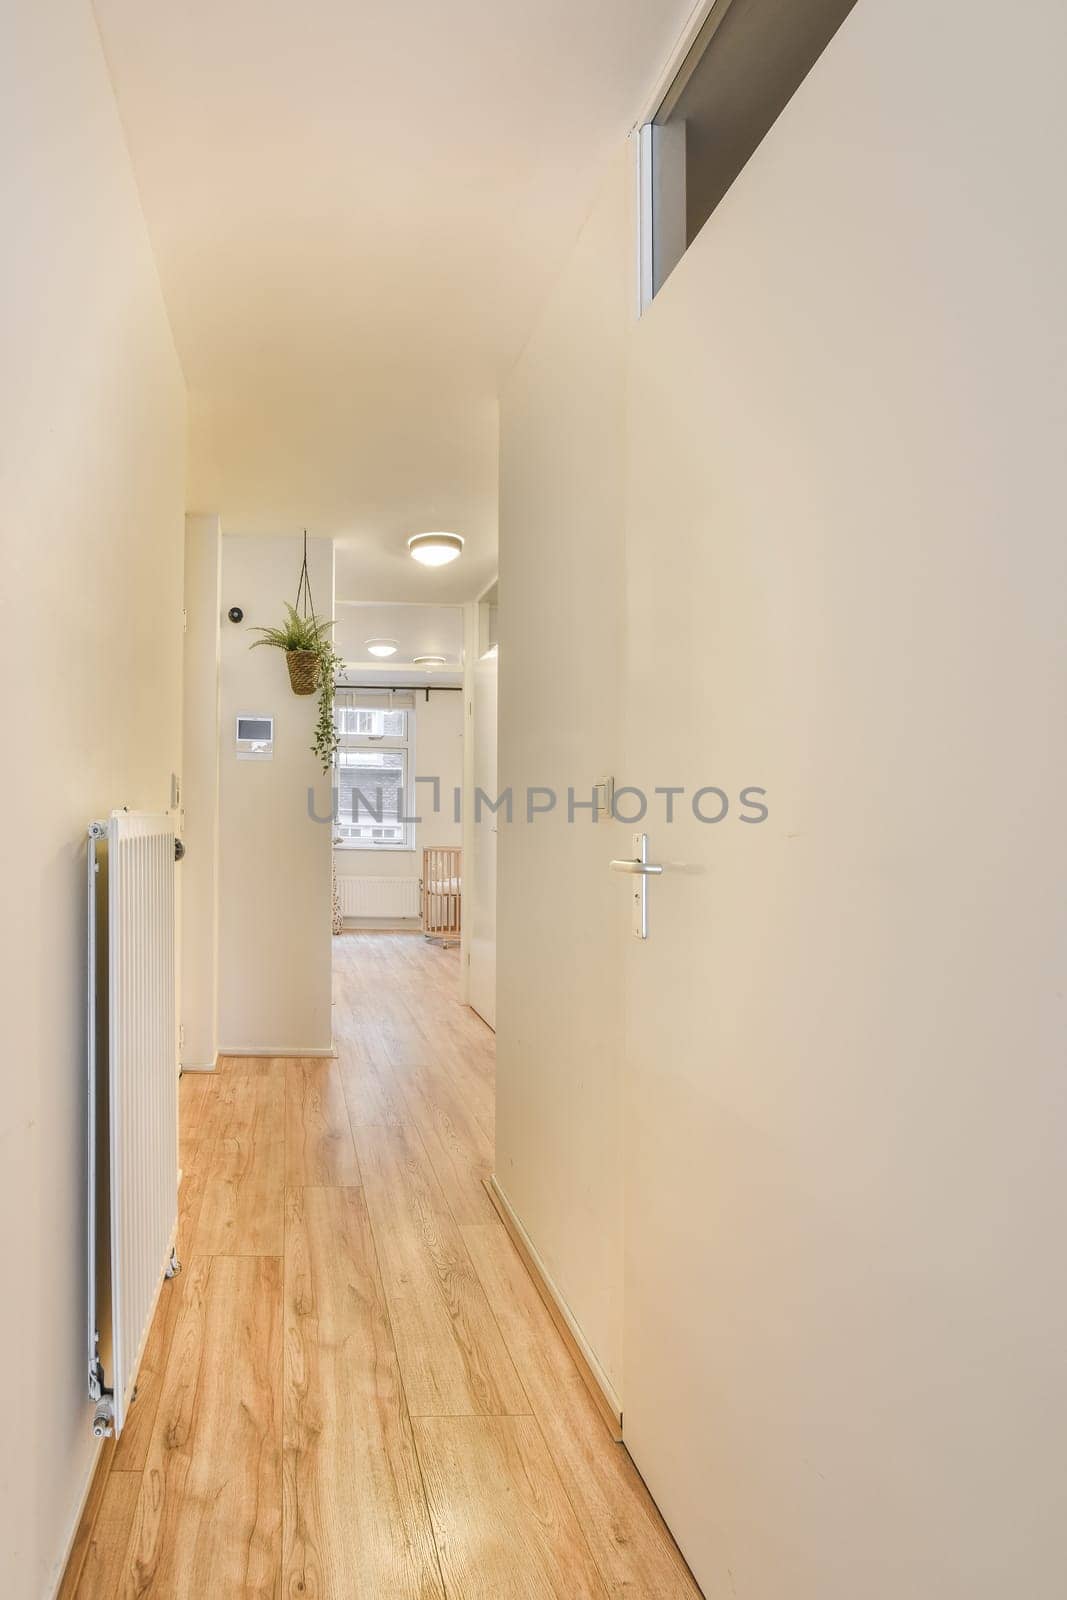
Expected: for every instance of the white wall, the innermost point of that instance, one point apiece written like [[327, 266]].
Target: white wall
[[561, 602], [480, 837], [92, 454], [199, 998], [847, 408], [274, 884], [438, 754]]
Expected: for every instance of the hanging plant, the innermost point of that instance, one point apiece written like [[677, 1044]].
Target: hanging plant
[[326, 740], [302, 639], [312, 660]]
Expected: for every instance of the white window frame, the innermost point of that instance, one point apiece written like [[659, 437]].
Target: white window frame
[[383, 741], [641, 140], [659, 143]]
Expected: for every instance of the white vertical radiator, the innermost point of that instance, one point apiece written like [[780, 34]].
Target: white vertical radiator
[[133, 1097]]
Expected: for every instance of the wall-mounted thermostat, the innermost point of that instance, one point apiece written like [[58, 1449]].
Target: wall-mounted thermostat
[[255, 738]]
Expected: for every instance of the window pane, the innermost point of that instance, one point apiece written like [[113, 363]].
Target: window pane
[[353, 722], [371, 787]]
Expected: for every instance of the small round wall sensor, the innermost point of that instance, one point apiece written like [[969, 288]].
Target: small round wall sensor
[[235, 614]]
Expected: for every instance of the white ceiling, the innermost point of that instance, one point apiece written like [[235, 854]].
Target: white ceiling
[[418, 630], [357, 209]]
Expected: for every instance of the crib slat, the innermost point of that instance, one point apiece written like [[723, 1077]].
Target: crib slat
[[442, 894]]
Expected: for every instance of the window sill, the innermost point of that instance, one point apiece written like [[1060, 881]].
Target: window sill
[[379, 849]]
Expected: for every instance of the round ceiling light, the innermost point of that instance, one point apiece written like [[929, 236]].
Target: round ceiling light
[[382, 647], [428, 661], [435, 549]]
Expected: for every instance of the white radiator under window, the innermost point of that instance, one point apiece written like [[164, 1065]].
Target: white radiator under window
[[379, 897], [133, 1097]]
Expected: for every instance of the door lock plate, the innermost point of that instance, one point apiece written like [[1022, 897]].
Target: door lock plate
[[640, 868]]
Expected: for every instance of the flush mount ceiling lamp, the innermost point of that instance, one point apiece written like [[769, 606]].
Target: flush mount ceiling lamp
[[436, 549], [382, 647], [428, 661]]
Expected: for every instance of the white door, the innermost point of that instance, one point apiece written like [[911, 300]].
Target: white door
[[480, 888], [756, 1108], [679, 1145], [845, 1309]]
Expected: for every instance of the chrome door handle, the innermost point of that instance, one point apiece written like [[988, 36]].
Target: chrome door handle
[[641, 868]]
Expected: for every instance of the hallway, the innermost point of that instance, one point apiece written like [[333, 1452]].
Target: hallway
[[353, 1388]]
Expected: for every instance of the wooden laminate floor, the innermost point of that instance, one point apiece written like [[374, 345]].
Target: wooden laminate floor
[[353, 1391]]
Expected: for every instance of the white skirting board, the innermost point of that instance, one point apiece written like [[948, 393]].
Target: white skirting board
[[382, 925], [60, 1572], [597, 1372], [291, 1051]]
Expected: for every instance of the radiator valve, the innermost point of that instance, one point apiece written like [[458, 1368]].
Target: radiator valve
[[103, 1419]]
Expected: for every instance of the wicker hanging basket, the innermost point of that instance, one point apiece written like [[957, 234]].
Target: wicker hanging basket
[[304, 669]]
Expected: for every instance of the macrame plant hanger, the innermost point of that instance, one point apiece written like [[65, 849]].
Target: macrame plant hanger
[[304, 665], [303, 588]]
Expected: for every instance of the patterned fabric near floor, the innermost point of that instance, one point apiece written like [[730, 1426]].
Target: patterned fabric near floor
[[338, 914]]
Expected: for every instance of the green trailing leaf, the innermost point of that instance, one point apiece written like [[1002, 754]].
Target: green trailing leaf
[[308, 633], [325, 742]]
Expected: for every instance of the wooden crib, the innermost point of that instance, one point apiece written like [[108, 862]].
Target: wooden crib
[[442, 892]]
